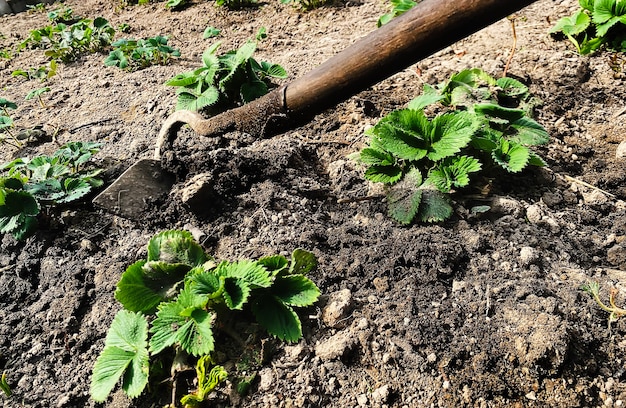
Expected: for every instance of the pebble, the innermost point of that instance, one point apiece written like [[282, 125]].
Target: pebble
[[620, 153], [381, 394], [616, 255], [86, 244], [64, 399], [506, 205], [197, 190], [528, 255], [335, 347], [552, 199], [294, 352], [381, 284], [339, 304], [266, 379], [595, 198], [361, 399], [457, 285], [534, 214]]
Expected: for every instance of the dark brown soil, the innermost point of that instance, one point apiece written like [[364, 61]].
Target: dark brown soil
[[482, 310]]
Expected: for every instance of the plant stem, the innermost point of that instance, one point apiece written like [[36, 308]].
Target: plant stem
[[513, 47], [617, 311]]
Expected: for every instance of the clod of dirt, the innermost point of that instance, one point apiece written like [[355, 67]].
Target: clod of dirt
[[339, 305], [336, 346]]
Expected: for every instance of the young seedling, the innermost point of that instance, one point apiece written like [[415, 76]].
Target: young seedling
[[42, 73], [123, 28], [62, 15], [6, 122], [132, 55], [67, 42], [615, 312], [6, 53], [39, 7], [179, 296], [36, 93], [210, 32], [175, 4], [398, 7], [28, 185], [4, 385], [423, 159], [224, 81], [236, 4], [209, 376], [597, 24], [307, 5]]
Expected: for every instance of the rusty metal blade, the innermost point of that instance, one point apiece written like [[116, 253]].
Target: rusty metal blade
[[130, 195]]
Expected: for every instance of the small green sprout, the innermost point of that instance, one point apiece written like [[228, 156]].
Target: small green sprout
[[62, 15], [4, 385], [6, 53], [597, 24], [39, 7], [261, 34], [210, 32], [6, 122], [236, 4], [133, 55], [123, 28], [209, 376], [615, 312], [398, 7], [36, 93], [42, 73], [307, 5]]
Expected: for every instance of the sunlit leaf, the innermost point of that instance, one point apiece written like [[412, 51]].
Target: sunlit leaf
[[125, 356]]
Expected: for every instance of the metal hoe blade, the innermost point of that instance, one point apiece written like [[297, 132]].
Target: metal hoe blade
[[130, 195]]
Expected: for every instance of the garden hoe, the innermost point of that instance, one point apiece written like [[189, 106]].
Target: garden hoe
[[427, 28]]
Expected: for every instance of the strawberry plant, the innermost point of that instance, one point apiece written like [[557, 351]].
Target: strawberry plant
[[482, 121], [36, 93], [62, 15], [132, 55], [6, 122], [236, 4], [398, 7], [28, 185], [596, 24], [175, 4], [67, 42], [210, 32], [42, 73], [307, 5], [226, 80], [179, 296], [39, 7]]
